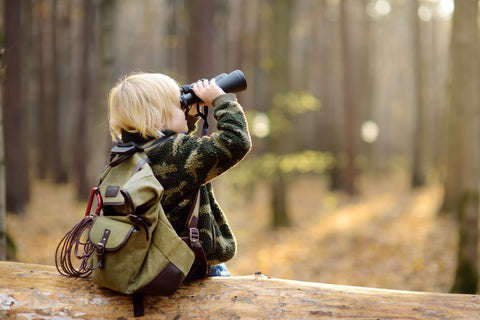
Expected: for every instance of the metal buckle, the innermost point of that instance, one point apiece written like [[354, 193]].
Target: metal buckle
[[194, 235], [100, 249]]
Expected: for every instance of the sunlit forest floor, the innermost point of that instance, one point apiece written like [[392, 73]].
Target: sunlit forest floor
[[388, 236]]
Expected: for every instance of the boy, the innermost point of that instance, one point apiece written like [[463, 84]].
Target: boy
[[146, 106]]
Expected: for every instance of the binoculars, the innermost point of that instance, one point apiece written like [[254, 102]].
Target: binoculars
[[232, 82]]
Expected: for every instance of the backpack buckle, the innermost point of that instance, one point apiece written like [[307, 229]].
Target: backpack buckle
[[194, 235], [100, 249]]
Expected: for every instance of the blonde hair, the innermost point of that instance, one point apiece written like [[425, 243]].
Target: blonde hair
[[143, 103]]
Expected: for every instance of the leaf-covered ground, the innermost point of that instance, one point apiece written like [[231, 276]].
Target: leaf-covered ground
[[388, 236]]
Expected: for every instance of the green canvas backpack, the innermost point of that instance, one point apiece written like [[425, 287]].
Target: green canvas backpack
[[130, 245]]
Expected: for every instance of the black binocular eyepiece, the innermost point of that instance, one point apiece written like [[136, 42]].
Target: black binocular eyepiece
[[232, 82]]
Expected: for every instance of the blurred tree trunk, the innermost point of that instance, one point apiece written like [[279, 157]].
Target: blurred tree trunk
[[83, 139], [304, 63], [47, 154], [59, 35], [280, 85], [330, 122], [41, 137], [316, 63], [57, 162], [29, 106], [361, 42], [3, 223], [16, 161], [349, 68], [465, 120], [66, 75], [175, 51], [200, 56], [368, 88], [453, 156], [436, 98], [200, 39], [419, 138], [108, 9]]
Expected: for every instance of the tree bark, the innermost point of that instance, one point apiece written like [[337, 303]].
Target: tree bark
[[280, 77], [106, 80], [65, 90], [465, 112], [200, 41], [35, 291], [419, 143], [3, 220], [329, 126], [348, 95], [60, 65], [200, 56], [85, 108], [16, 161], [41, 137]]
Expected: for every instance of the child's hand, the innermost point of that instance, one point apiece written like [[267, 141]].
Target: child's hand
[[207, 91]]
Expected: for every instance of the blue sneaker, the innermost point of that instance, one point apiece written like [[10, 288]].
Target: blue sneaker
[[219, 270]]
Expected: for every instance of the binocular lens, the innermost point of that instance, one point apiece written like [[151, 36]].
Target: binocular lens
[[232, 82]]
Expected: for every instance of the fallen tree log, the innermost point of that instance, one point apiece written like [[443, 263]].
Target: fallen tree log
[[38, 292]]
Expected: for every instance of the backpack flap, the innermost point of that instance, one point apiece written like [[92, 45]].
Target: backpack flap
[[141, 190], [120, 231], [109, 234], [124, 191]]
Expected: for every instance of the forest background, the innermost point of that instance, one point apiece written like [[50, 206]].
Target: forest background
[[364, 116]]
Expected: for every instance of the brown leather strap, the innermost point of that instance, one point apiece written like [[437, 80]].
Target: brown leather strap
[[140, 164], [100, 250], [193, 239], [71, 246], [150, 145], [138, 307], [192, 218]]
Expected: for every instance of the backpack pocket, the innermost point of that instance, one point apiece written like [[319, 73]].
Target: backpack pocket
[[102, 238], [119, 249]]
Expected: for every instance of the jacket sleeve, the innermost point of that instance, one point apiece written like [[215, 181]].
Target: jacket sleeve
[[208, 157], [187, 161]]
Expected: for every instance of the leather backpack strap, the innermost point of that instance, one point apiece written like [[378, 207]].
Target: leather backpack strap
[[150, 145], [138, 307], [192, 218], [193, 239]]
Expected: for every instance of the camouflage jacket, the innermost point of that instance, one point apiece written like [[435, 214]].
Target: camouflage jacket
[[183, 163]]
